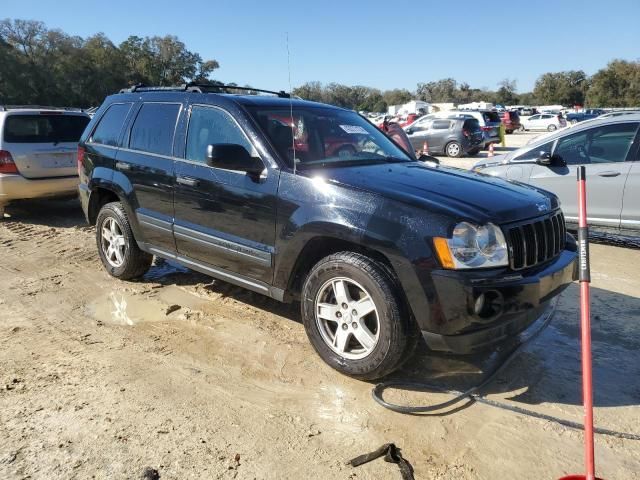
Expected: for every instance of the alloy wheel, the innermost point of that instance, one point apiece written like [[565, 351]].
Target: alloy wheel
[[112, 242], [453, 150], [347, 318]]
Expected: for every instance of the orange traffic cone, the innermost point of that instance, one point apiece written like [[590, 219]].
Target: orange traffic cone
[[425, 148], [490, 154]]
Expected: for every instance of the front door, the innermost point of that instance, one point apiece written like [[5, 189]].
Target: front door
[[604, 151], [223, 218]]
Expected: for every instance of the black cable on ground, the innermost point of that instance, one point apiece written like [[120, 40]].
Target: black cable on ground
[[473, 394]]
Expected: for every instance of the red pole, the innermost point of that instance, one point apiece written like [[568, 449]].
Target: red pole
[[585, 315]]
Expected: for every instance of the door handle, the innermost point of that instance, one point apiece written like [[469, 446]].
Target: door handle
[[123, 166], [188, 181], [608, 173]]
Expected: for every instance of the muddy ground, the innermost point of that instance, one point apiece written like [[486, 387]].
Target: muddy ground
[[101, 378]]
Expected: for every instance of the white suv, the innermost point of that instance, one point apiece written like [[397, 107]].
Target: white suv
[[38, 147]]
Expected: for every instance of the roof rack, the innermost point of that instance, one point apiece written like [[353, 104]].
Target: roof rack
[[4, 108], [199, 88]]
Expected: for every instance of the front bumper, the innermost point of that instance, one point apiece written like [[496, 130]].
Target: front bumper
[[17, 187], [478, 311]]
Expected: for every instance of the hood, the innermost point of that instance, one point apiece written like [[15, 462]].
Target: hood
[[461, 194]]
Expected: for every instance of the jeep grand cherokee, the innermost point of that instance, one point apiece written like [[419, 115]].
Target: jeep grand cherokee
[[375, 245]]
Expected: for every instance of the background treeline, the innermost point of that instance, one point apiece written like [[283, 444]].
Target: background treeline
[[616, 85], [46, 66], [49, 67]]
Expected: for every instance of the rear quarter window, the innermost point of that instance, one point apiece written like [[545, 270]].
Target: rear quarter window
[[43, 128], [110, 125]]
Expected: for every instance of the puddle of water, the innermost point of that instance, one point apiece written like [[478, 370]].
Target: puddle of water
[[125, 308]]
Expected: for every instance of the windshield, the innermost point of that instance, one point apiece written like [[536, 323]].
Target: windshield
[[319, 137], [44, 128]]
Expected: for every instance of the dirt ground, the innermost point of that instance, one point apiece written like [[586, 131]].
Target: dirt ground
[[198, 379]]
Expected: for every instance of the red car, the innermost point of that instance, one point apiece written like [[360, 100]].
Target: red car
[[511, 121]]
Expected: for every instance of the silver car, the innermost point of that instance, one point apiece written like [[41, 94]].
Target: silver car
[[38, 150], [608, 148]]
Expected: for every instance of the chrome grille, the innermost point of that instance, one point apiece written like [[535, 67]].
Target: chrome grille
[[536, 242]]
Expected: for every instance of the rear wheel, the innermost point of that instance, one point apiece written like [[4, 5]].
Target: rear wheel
[[454, 150], [117, 247], [552, 128], [353, 317]]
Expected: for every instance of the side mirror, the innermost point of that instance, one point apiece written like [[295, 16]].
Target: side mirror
[[544, 158], [231, 156]]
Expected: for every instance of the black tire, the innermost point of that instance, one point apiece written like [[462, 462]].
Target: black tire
[[551, 128], [396, 331], [452, 152], [135, 261], [509, 132]]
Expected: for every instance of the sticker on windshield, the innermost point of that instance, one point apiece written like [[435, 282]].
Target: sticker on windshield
[[353, 129]]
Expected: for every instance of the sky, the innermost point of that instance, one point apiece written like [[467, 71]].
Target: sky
[[382, 44]]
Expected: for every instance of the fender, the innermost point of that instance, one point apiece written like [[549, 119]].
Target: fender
[[119, 184], [395, 231]]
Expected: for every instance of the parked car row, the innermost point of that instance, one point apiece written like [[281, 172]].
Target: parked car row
[[312, 203]]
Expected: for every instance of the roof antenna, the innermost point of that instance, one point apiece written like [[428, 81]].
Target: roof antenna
[[293, 137]]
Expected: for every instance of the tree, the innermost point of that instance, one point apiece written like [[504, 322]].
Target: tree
[[563, 88], [444, 90], [617, 85], [46, 66], [506, 94]]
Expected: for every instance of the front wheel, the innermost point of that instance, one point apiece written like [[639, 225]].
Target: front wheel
[[354, 318], [454, 150], [117, 247]]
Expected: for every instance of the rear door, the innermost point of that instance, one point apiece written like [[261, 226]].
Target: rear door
[[223, 218], [146, 165], [604, 151], [44, 144]]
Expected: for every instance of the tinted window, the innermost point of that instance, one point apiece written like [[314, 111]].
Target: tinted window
[[471, 125], [609, 143], [209, 126], [535, 153], [108, 130], [491, 116], [440, 124], [44, 128], [154, 127]]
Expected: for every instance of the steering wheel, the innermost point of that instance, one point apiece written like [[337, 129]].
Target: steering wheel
[[582, 153]]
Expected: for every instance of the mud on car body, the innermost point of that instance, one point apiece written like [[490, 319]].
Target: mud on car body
[[376, 246]]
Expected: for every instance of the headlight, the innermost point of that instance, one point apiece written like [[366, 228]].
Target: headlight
[[473, 246]]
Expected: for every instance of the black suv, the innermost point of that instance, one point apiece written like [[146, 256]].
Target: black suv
[[375, 245]]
